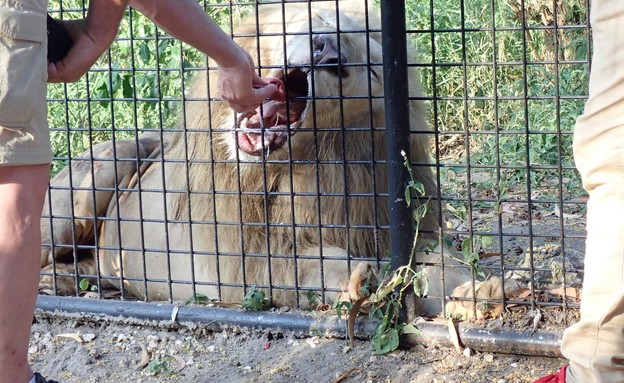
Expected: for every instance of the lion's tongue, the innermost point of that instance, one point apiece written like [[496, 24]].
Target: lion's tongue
[[272, 113], [251, 143], [259, 132], [251, 140]]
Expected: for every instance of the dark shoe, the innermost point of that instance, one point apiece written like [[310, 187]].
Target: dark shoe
[[41, 379], [558, 377]]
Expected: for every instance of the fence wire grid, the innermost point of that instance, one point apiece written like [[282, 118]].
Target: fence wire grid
[[502, 84]]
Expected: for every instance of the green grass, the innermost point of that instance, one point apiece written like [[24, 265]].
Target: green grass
[[136, 86], [497, 97], [502, 97]]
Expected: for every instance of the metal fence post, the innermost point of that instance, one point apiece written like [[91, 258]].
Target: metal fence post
[[396, 91]]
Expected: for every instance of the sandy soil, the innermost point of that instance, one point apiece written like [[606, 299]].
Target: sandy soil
[[73, 350]]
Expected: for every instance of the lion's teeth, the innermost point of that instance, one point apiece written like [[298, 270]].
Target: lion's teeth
[[243, 123], [251, 138]]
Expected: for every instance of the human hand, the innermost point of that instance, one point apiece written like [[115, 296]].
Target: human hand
[[241, 87], [91, 37], [84, 53]]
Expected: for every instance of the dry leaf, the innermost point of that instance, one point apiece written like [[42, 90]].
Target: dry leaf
[[569, 292], [145, 358], [112, 294], [347, 374], [580, 198], [558, 213], [180, 362], [489, 255], [75, 337], [323, 307], [454, 335], [536, 321], [224, 305]]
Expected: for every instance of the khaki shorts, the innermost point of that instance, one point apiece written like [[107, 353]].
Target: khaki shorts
[[24, 134]]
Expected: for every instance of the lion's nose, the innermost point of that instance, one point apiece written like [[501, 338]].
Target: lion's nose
[[326, 54]]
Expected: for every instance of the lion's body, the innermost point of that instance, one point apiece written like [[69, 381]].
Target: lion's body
[[185, 218]]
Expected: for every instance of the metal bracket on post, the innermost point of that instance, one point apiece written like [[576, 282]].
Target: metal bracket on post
[[396, 98]]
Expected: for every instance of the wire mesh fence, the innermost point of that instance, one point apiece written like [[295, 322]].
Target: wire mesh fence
[[161, 192]]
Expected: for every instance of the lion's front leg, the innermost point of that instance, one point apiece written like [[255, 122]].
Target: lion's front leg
[[81, 193], [488, 297], [63, 278], [326, 278]]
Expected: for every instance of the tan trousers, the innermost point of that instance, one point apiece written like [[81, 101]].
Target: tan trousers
[[595, 345]]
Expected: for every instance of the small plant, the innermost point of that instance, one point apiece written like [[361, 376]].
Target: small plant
[[160, 366], [470, 251], [385, 291], [198, 299], [255, 300], [342, 307], [313, 298], [85, 286]]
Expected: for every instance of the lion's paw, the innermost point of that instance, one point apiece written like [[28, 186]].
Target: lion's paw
[[51, 285], [358, 278], [489, 296]]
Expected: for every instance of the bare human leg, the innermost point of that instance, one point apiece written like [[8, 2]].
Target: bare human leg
[[22, 192]]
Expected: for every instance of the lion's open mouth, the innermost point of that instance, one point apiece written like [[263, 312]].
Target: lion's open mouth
[[268, 127]]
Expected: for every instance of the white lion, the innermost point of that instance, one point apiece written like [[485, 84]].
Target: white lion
[[258, 199]]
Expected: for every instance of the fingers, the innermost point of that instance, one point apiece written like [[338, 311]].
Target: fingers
[[253, 100], [265, 92], [68, 69], [54, 71], [258, 81]]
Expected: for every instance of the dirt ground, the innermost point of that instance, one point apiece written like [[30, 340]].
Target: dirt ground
[[76, 350], [73, 350]]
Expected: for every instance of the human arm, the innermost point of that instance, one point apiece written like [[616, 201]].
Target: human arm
[[89, 41], [239, 84]]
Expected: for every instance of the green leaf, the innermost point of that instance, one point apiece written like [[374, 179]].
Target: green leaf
[[448, 241], [421, 285], [386, 288], [198, 299], [84, 284], [408, 196], [115, 82], [341, 306], [486, 241], [376, 313], [385, 340], [313, 298], [466, 247], [126, 86], [410, 329], [255, 300], [145, 53]]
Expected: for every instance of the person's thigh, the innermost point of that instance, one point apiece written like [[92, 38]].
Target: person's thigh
[[595, 345]]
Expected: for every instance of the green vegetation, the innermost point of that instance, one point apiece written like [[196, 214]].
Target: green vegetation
[[136, 86], [384, 291], [502, 97], [255, 300], [497, 97]]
